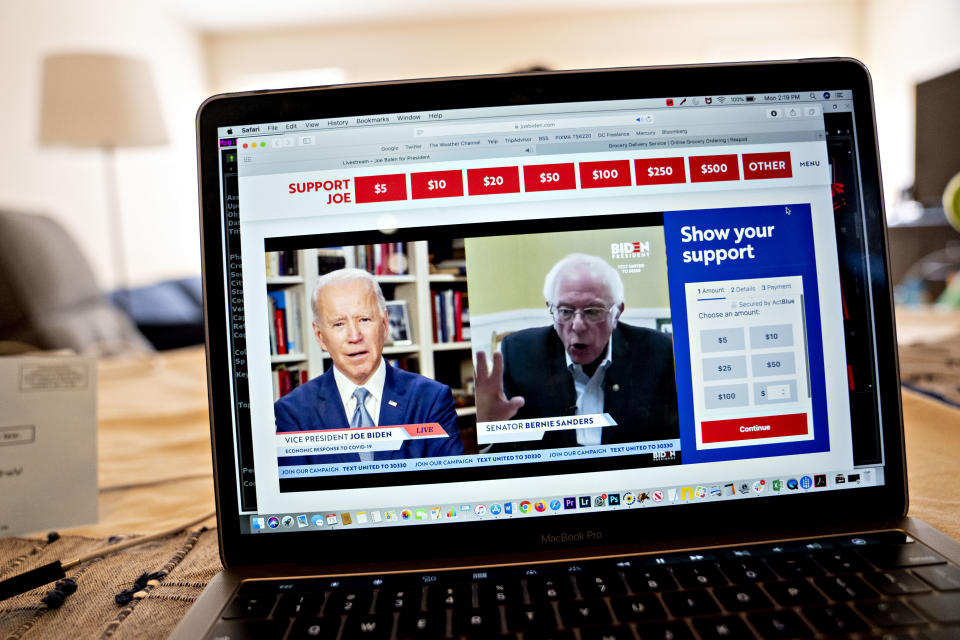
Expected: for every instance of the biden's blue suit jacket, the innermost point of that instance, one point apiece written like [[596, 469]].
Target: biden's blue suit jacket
[[417, 400]]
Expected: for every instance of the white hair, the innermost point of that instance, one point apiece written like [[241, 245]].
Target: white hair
[[341, 276], [584, 263]]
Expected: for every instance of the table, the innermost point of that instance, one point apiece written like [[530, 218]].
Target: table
[[155, 471]]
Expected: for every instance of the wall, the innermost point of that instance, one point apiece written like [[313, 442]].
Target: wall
[[522, 262], [157, 186], [642, 35], [906, 43]]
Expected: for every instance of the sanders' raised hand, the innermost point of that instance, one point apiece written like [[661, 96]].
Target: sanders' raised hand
[[492, 404]]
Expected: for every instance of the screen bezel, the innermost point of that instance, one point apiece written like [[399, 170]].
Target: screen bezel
[[640, 526]]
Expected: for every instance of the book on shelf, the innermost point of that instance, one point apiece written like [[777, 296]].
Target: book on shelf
[[282, 263], [286, 379], [383, 259], [285, 319], [330, 260], [450, 316], [407, 364], [453, 267]]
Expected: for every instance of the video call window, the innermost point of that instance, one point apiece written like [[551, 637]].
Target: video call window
[[575, 353]]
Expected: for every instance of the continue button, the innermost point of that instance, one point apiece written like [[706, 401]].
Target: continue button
[[794, 424]]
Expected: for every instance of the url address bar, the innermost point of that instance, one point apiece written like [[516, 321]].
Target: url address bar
[[520, 126]]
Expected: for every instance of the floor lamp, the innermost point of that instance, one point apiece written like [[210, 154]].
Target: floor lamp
[[105, 102]]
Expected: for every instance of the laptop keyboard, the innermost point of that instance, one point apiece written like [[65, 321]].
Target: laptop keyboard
[[879, 585]]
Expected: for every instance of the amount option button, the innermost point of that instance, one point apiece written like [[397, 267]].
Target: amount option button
[[610, 173], [494, 180], [549, 177], [660, 171], [714, 168], [436, 184], [381, 188]]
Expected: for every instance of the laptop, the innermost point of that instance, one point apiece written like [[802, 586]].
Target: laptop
[[582, 354]]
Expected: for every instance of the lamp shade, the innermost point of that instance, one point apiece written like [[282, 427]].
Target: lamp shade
[[99, 100]]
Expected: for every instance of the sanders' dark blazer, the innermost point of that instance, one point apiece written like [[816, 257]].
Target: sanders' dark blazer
[[639, 389]]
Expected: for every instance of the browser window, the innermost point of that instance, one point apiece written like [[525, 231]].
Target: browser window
[[618, 304]]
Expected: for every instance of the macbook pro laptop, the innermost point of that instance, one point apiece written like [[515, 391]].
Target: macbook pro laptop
[[574, 355]]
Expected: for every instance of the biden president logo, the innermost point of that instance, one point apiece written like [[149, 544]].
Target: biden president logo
[[620, 250]]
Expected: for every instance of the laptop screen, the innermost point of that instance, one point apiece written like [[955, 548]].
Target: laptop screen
[[513, 312]]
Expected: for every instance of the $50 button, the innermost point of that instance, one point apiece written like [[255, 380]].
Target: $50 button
[[549, 177]]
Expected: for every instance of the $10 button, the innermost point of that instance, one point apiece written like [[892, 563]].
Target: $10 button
[[436, 184]]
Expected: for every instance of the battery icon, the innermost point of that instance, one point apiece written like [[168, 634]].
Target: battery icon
[[749, 98]]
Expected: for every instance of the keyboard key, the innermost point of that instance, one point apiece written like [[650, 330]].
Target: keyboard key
[[779, 624], [845, 588], [249, 629], [399, 599], [250, 607], [294, 605], [889, 613], [698, 575], [796, 565], [325, 628], [742, 571], [638, 607], [414, 626], [477, 622], [260, 587], [606, 633], [676, 630], [943, 577], [499, 592], [895, 583], [723, 628], [600, 585], [836, 618], [792, 593], [895, 556], [531, 616], [942, 607], [375, 626], [690, 603], [548, 634], [650, 580], [944, 633], [450, 595], [746, 597], [557, 588], [841, 561], [580, 613]]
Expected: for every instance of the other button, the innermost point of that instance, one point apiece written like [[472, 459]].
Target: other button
[[764, 166]]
